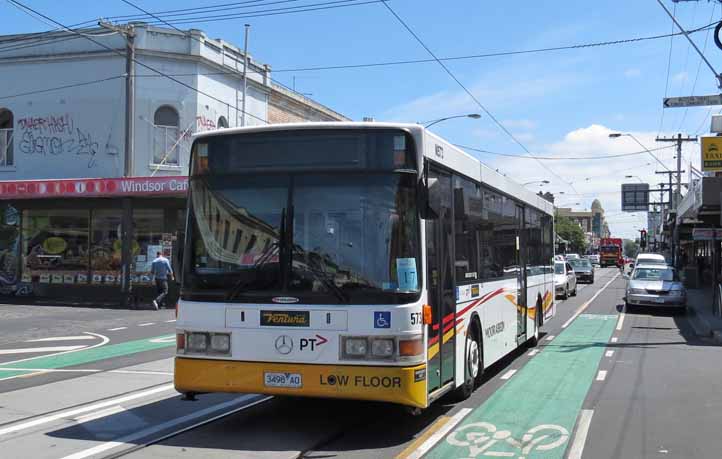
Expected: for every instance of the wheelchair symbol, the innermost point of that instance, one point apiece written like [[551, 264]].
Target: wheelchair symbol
[[382, 319]]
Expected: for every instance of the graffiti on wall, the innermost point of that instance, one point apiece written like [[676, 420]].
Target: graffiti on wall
[[58, 135]]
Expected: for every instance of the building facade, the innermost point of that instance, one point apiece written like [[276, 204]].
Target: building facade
[[79, 220]]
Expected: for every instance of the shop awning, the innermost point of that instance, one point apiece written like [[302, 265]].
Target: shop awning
[[169, 186]]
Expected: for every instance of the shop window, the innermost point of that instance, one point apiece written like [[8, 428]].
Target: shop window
[[6, 138], [147, 242], [105, 246], [222, 122], [9, 239], [166, 136], [55, 246]]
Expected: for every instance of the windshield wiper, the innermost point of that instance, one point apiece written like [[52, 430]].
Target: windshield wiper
[[242, 284], [315, 268]]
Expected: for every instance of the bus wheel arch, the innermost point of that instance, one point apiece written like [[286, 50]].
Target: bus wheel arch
[[473, 350]]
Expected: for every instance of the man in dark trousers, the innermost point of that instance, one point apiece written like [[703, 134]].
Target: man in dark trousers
[[161, 271]]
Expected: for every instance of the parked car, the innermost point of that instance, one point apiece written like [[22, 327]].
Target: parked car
[[655, 285], [565, 281], [594, 259], [650, 259], [583, 269]]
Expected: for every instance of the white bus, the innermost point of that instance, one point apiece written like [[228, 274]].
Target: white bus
[[369, 261]]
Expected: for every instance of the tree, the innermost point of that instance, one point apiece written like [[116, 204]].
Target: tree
[[630, 248], [568, 229]]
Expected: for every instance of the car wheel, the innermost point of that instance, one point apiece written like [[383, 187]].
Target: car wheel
[[565, 295], [682, 310], [574, 292]]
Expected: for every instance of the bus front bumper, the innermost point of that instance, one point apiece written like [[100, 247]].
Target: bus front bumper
[[402, 385]]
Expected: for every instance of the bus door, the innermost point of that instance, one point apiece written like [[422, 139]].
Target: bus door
[[521, 306], [442, 297]]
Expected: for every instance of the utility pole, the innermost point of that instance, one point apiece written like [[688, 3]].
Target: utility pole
[[245, 74], [679, 139], [126, 231]]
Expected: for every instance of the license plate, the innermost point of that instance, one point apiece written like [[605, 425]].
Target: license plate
[[293, 380], [659, 300]]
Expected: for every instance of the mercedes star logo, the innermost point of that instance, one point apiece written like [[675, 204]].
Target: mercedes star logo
[[284, 344]]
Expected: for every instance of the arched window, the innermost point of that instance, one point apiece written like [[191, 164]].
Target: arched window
[[222, 122], [166, 136], [6, 137]]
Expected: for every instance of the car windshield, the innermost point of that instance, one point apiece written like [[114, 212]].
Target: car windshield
[[655, 274], [580, 264], [558, 268], [321, 238]]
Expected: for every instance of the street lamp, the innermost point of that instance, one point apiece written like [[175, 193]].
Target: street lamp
[[616, 135], [541, 182], [474, 116]]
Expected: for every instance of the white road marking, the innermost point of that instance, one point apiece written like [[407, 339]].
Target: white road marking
[[32, 350], [615, 339], [141, 372], [61, 338], [440, 434], [134, 437], [89, 370], [170, 321], [533, 352], [85, 409], [99, 414], [620, 323], [549, 338], [146, 324], [585, 305], [608, 353], [105, 340], [602, 375], [580, 436], [117, 328], [508, 374]]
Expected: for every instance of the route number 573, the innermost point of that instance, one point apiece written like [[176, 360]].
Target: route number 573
[[415, 318]]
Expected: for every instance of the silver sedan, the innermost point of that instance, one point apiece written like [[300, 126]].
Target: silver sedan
[[655, 285]]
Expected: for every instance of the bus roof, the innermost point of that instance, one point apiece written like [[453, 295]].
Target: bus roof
[[455, 158]]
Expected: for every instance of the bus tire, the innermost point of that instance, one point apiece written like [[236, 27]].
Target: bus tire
[[473, 364], [539, 319]]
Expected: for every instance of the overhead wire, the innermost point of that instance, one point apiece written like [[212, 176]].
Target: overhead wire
[[470, 94], [666, 84], [142, 64], [562, 158], [57, 88]]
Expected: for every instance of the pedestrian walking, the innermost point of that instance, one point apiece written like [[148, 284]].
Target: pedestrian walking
[[162, 271]]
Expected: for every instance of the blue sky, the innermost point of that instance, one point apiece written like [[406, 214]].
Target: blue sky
[[557, 103]]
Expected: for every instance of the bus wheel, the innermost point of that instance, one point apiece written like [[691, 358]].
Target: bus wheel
[[539, 319], [473, 365]]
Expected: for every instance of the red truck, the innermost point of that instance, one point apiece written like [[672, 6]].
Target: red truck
[[610, 252]]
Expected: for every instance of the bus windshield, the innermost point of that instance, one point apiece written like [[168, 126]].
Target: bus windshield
[[316, 238]]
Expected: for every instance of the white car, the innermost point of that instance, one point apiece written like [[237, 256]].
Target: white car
[[650, 259], [572, 256], [594, 259], [565, 281]]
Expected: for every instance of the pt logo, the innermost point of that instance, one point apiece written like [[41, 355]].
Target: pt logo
[[312, 343], [284, 344]]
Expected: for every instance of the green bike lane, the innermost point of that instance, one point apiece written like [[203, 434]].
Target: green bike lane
[[534, 413], [83, 356]]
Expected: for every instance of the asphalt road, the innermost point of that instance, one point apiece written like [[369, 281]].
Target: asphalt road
[[597, 386]]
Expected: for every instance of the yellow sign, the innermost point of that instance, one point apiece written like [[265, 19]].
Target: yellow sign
[[712, 154]]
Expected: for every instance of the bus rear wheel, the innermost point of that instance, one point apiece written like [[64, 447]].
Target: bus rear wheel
[[473, 364]]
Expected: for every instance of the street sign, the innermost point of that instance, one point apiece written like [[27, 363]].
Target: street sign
[[635, 197], [706, 234], [711, 154], [692, 101]]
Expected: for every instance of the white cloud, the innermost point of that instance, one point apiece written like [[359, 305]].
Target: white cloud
[[600, 178], [681, 76], [632, 73]]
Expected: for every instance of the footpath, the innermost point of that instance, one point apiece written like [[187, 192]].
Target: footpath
[[704, 321]]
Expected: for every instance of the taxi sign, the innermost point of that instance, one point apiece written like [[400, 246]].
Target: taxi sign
[[711, 154]]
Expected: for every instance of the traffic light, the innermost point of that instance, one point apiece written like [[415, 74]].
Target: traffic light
[[643, 239]]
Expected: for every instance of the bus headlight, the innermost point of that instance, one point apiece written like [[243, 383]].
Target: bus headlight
[[355, 347], [221, 343], [382, 347], [197, 342]]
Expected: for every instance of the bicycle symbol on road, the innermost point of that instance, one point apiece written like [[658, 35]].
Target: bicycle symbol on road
[[480, 437]]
